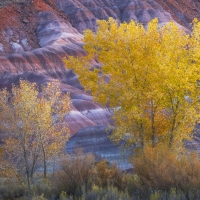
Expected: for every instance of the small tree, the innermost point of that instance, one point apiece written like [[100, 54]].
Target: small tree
[[34, 124]]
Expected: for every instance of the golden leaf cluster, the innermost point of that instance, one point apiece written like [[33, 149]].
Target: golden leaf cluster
[[34, 122], [148, 75]]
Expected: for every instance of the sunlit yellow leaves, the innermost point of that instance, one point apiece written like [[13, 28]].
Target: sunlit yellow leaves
[[34, 121], [152, 78]]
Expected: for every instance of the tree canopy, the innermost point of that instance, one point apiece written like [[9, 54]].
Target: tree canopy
[[148, 75], [34, 124]]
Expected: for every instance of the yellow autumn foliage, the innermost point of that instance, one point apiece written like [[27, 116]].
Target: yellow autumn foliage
[[34, 125], [148, 75]]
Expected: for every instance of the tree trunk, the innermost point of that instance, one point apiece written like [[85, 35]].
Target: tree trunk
[[44, 157], [171, 140], [142, 135], [153, 139], [153, 110], [27, 172], [44, 161]]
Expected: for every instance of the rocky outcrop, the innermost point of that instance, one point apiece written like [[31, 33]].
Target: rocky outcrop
[[183, 12], [57, 39], [21, 22], [95, 139], [83, 14]]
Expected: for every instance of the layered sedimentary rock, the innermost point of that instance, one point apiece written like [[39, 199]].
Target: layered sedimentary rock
[[84, 13], [37, 35], [183, 12], [21, 22], [95, 139]]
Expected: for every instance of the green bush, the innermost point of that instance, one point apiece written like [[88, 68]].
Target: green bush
[[11, 189], [111, 193]]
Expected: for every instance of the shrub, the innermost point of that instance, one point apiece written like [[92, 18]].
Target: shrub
[[12, 190], [41, 197], [160, 168], [75, 172], [108, 175], [111, 193], [78, 173]]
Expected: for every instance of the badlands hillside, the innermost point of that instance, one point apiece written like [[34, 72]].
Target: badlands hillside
[[36, 35]]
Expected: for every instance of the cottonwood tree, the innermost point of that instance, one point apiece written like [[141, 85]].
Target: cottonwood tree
[[34, 124], [148, 75]]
